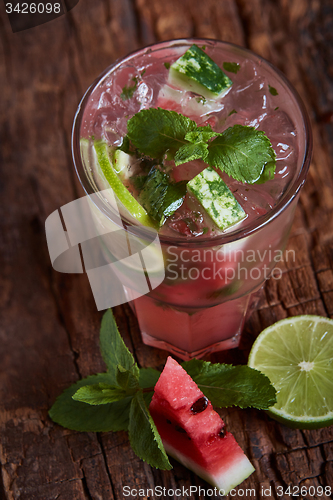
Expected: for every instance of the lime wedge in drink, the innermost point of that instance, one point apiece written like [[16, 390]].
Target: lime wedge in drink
[[122, 193], [297, 355]]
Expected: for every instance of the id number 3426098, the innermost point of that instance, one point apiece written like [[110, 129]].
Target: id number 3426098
[[302, 491], [33, 8]]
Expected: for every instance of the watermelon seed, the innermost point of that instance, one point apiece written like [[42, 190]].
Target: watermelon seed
[[180, 429], [168, 421], [223, 432], [200, 405]]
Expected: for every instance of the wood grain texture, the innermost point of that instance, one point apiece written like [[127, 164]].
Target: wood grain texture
[[48, 322]]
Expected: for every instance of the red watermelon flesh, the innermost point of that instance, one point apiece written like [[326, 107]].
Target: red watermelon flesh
[[194, 433]]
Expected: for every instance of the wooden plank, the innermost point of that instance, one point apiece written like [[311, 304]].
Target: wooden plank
[[48, 321]]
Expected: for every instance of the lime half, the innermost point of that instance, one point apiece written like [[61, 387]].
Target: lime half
[[297, 355]]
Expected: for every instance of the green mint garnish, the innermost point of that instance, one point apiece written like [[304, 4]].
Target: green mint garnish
[[240, 151], [113, 349], [231, 67], [167, 65], [138, 181], [143, 435], [160, 197], [83, 417], [99, 394], [119, 399], [232, 112], [267, 174], [228, 385], [155, 132], [273, 90], [128, 91]]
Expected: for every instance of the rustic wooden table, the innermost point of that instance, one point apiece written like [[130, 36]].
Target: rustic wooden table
[[49, 324]]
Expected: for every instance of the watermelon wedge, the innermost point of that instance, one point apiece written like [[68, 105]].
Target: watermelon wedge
[[193, 433]]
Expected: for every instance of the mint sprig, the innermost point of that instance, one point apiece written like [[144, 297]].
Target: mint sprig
[[95, 403], [156, 132], [119, 399], [240, 151], [227, 385]]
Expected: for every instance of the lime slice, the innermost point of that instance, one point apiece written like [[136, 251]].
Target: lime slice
[[297, 355], [122, 193]]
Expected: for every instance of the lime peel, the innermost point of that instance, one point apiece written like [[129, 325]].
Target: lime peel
[[122, 193], [297, 355]]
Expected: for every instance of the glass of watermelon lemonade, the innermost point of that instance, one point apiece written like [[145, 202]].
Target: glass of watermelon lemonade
[[212, 273]]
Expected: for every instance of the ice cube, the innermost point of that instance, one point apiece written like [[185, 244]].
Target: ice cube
[[198, 106], [251, 97], [282, 133], [144, 95], [170, 98]]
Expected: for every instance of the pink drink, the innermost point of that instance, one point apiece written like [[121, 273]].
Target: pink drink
[[210, 274]]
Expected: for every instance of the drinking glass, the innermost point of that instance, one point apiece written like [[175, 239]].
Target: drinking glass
[[209, 281]]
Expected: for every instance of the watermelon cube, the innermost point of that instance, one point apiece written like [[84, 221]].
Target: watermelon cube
[[193, 432]]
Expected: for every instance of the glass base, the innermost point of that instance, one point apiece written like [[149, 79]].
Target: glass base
[[218, 346], [191, 333]]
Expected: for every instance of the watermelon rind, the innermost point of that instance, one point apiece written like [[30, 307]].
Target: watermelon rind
[[197, 72], [216, 198], [226, 480]]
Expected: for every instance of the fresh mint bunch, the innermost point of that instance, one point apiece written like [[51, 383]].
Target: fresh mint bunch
[[240, 151], [116, 400], [119, 399]]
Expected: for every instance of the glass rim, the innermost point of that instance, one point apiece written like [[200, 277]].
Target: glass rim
[[222, 238]]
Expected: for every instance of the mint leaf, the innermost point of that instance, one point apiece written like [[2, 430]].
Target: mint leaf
[[84, 417], [99, 394], [268, 173], [154, 132], [231, 67], [148, 378], [190, 152], [241, 152], [113, 348], [196, 147], [126, 146], [228, 385], [160, 197], [273, 90], [128, 91], [201, 134], [138, 181], [126, 380], [144, 437]]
